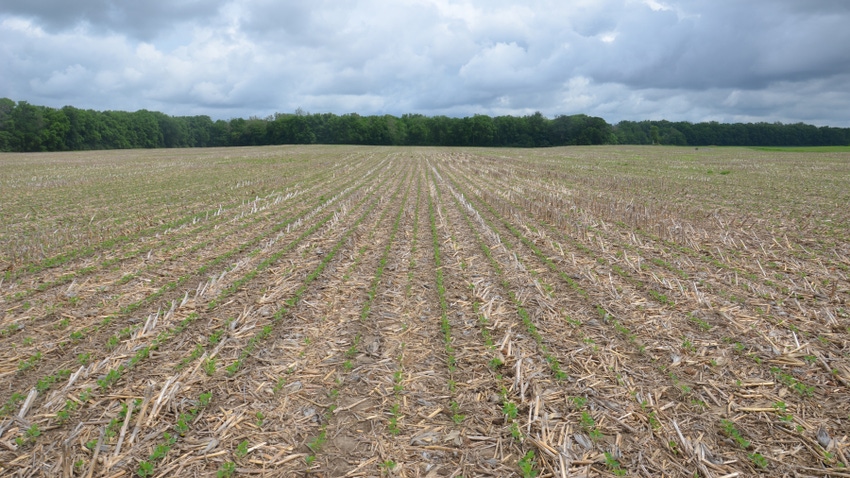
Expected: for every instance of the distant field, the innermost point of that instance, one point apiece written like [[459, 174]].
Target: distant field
[[370, 311], [810, 149]]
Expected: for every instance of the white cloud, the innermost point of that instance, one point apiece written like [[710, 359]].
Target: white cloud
[[22, 26], [501, 65], [658, 6], [71, 79]]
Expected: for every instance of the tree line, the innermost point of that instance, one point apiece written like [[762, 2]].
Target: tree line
[[26, 127]]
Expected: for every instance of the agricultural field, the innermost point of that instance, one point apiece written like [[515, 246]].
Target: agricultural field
[[423, 312]]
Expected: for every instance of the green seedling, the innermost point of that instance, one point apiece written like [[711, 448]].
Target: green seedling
[[456, 416], [241, 449], [526, 465], [317, 443], [204, 399], [111, 377], [674, 447], [516, 434], [398, 376], [145, 469], [215, 337], [182, 425], [510, 410], [393, 421], [227, 470], [578, 402], [209, 366], [758, 459], [589, 425], [653, 421], [84, 358], [729, 429], [112, 342], [614, 465], [24, 365], [495, 363]]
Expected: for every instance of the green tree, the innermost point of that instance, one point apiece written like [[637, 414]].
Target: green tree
[[28, 121], [483, 130], [654, 134], [7, 124], [56, 127], [418, 133]]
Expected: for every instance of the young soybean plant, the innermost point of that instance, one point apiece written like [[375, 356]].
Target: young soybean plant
[[526, 465]]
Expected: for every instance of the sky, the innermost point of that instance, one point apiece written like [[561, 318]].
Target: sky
[[698, 60]]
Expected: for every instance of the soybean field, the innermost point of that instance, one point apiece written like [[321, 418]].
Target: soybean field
[[423, 312]]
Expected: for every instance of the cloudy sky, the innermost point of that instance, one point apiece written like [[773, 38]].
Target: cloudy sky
[[698, 60]]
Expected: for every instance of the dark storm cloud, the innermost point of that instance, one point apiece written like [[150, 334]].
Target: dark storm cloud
[[137, 19], [727, 44], [777, 60]]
